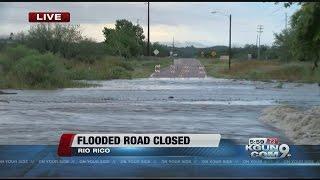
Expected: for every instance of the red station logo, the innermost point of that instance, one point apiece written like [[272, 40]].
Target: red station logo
[[49, 17]]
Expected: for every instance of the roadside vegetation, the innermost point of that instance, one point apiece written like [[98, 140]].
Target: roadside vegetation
[[25, 68], [51, 56], [54, 56], [262, 70], [294, 55]]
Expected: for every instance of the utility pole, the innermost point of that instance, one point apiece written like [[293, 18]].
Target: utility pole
[[286, 21], [172, 45], [148, 45], [213, 12], [257, 44], [229, 41], [260, 28], [137, 22], [172, 50]]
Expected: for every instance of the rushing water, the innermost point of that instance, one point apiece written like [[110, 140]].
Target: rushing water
[[229, 107]]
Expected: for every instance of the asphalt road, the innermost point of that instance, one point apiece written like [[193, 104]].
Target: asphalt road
[[181, 68]]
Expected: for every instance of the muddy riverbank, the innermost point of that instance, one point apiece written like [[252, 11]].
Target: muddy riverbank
[[301, 126]]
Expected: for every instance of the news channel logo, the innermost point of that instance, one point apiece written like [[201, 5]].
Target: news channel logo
[[267, 148]]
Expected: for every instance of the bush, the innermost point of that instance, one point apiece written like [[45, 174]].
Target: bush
[[18, 52], [11, 55], [40, 71], [58, 38], [121, 63], [125, 40], [88, 51], [84, 74], [5, 63], [255, 75], [118, 72], [291, 72], [2, 44]]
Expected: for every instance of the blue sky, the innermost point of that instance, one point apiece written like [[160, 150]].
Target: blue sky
[[188, 22]]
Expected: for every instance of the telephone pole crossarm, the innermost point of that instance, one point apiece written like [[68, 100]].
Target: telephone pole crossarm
[[260, 28]]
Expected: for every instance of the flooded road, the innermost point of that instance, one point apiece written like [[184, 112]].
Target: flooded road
[[229, 107], [182, 68]]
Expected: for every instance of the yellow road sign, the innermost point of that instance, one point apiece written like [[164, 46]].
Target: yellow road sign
[[213, 53]]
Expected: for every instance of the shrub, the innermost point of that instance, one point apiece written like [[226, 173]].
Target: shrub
[[84, 74], [18, 52], [57, 38], [255, 75], [40, 71], [89, 51], [121, 63], [5, 63], [291, 72], [117, 72], [11, 55]]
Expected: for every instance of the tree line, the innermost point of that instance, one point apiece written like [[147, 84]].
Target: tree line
[[301, 41], [125, 40]]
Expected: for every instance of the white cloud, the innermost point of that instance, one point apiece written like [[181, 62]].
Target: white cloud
[[185, 21], [94, 31]]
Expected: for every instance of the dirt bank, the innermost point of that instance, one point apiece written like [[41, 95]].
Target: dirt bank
[[302, 127]]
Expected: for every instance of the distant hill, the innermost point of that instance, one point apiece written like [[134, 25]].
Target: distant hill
[[188, 51], [184, 44], [4, 37]]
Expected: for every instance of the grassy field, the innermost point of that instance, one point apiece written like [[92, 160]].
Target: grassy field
[[145, 67], [24, 68], [113, 67], [263, 70]]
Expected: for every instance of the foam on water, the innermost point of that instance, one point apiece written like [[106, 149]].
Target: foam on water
[[232, 103], [208, 105], [302, 127]]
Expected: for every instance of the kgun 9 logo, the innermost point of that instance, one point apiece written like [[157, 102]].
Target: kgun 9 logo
[[267, 148]]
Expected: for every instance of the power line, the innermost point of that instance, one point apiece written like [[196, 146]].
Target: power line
[[260, 30], [172, 44]]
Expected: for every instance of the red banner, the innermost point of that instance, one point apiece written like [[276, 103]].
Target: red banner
[[49, 17]]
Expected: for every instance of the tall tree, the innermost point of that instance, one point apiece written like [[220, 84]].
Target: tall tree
[[56, 38], [302, 40], [306, 23], [126, 39]]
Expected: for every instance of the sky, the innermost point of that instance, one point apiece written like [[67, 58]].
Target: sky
[[190, 23]]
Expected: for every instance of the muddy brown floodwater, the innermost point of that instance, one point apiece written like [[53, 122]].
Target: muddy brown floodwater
[[206, 105]]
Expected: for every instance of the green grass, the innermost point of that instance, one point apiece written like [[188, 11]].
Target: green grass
[[112, 67], [263, 70], [213, 66], [144, 67], [12, 83], [23, 68]]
